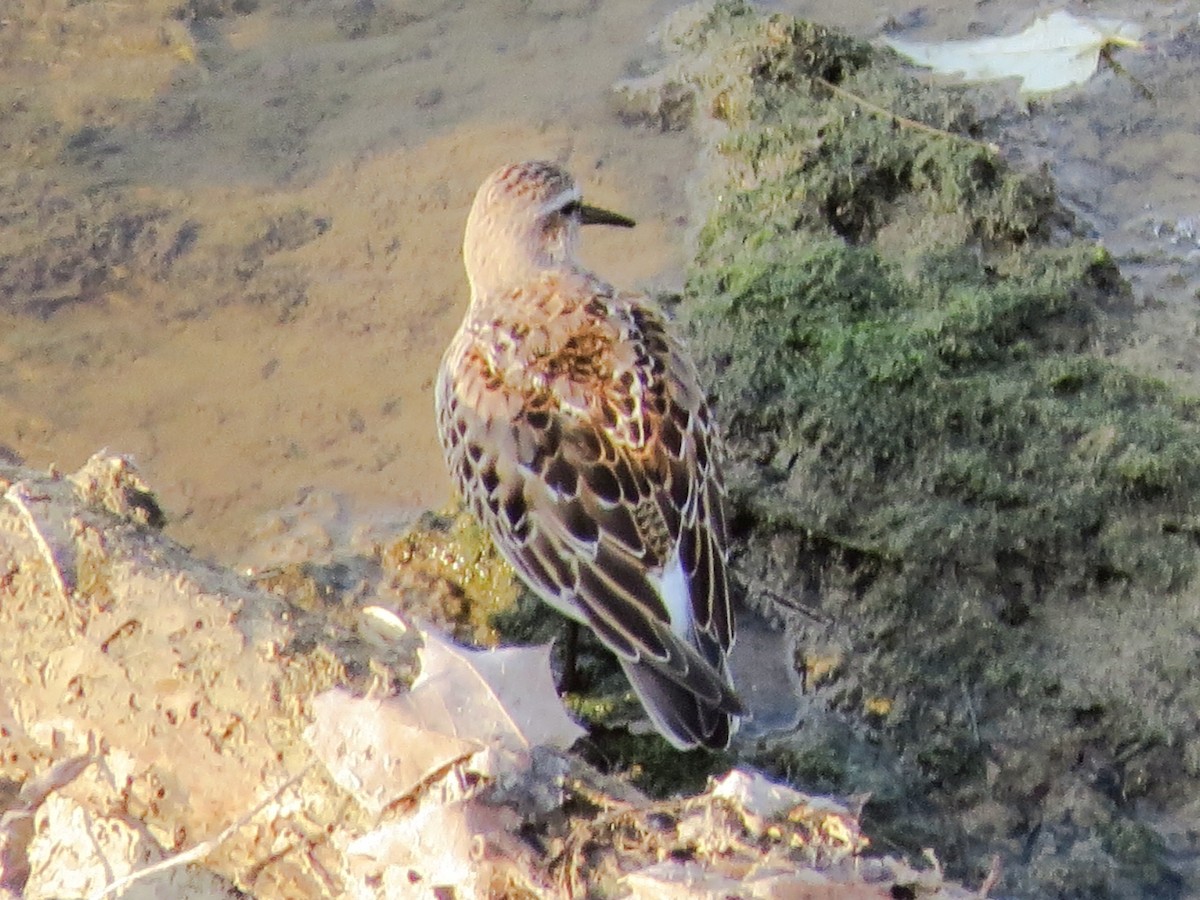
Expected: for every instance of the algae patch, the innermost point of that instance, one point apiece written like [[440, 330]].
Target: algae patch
[[930, 456], [448, 572]]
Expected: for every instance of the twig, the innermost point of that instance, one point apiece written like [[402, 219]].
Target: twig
[[1106, 54], [899, 119], [22, 497], [614, 813], [972, 718], [202, 849], [819, 617], [995, 870]]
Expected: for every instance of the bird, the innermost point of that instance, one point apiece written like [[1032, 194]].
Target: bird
[[575, 428]]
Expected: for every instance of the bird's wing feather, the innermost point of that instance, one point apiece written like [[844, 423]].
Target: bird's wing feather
[[590, 502]]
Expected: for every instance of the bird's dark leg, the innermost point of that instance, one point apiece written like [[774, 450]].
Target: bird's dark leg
[[570, 672]]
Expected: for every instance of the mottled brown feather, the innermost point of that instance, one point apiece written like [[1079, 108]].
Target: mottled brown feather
[[574, 426]]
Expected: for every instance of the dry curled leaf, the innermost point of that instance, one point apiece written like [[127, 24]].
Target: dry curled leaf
[[436, 848], [503, 698], [372, 751], [477, 710], [819, 822]]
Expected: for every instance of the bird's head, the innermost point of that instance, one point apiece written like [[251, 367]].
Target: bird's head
[[525, 219]]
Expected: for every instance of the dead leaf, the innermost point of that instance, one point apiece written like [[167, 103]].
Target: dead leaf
[[373, 752], [692, 881], [681, 881], [434, 848], [504, 698], [482, 711], [1056, 51], [823, 823], [756, 794], [17, 822]]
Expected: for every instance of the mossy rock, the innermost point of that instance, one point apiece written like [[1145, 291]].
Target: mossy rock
[[906, 339]]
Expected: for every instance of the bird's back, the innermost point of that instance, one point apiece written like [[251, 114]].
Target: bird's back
[[575, 428]]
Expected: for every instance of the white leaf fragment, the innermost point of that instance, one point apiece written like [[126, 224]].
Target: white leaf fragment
[[479, 711], [1055, 52]]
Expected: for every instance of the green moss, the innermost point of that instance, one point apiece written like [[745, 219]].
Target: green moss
[[446, 570], [651, 764], [1139, 850], [931, 403], [820, 766], [902, 334]]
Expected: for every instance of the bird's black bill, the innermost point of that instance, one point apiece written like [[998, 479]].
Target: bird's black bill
[[594, 215]]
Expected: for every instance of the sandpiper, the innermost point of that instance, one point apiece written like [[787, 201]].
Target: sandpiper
[[574, 426]]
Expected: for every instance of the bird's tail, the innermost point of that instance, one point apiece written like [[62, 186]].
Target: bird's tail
[[683, 718]]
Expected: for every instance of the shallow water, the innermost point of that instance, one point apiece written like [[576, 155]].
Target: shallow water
[[317, 175], [231, 245]]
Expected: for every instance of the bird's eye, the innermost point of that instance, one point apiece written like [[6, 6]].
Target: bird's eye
[[572, 208]]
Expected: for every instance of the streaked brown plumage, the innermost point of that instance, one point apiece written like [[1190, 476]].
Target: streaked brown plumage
[[575, 428]]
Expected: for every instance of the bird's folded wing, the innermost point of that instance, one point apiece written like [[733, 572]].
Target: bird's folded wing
[[592, 523]]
